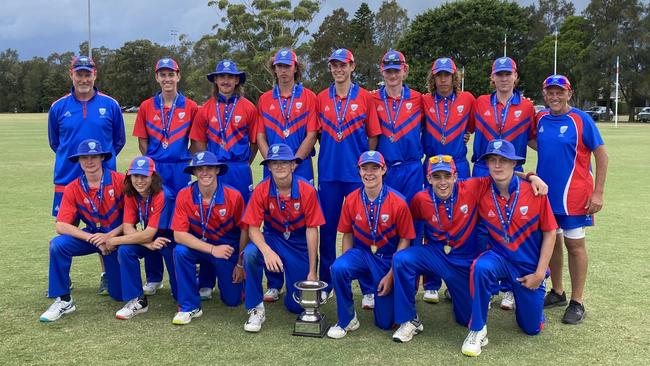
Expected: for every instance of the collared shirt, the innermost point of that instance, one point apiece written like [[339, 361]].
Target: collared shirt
[[149, 125], [400, 125], [159, 210], [458, 111], [71, 121], [76, 204], [394, 221], [337, 158], [564, 146]]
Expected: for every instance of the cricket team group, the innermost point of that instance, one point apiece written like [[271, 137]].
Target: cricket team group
[[393, 178]]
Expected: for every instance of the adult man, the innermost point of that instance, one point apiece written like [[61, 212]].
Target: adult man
[[82, 114], [162, 128], [566, 139], [349, 127], [521, 230], [207, 230], [506, 115], [95, 198], [288, 115], [376, 223], [288, 206]]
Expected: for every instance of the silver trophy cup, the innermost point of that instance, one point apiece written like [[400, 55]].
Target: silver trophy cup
[[311, 323]]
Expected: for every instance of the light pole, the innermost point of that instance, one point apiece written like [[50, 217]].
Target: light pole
[[90, 48]]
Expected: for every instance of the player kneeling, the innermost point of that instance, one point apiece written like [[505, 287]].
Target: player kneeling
[[148, 203], [521, 229], [288, 207], [207, 230], [95, 198], [376, 223]]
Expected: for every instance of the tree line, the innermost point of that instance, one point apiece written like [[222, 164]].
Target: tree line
[[471, 32]]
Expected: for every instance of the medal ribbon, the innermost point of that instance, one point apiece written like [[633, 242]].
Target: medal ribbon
[[505, 223], [446, 111], [286, 110], [449, 208], [500, 118], [100, 194], [373, 220], [167, 121], [384, 96], [227, 115], [206, 217], [340, 117], [144, 216], [281, 206]]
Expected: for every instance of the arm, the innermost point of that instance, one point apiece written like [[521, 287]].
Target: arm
[[307, 145], [223, 251], [196, 146], [238, 271], [253, 147], [595, 202], [539, 186], [262, 144], [271, 259], [143, 144], [386, 284], [346, 243], [372, 142], [53, 130], [532, 143], [312, 250], [533, 280]]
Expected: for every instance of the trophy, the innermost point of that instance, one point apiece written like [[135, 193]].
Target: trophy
[[311, 323]]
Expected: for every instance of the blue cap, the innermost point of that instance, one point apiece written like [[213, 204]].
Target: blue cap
[[443, 64], [167, 63], [557, 80], [227, 67], [280, 152], [502, 148], [205, 158], [285, 56], [142, 165], [83, 63], [372, 157], [504, 64], [393, 60], [89, 147], [342, 55]]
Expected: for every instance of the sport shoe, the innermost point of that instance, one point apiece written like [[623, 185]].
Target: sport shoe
[[57, 309], [272, 295], [407, 330], [205, 293], [255, 320], [431, 296], [447, 294], [103, 285], [132, 308], [184, 317], [574, 313], [368, 302], [337, 332], [508, 301], [552, 299], [150, 288], [326, 296], [474, 341]]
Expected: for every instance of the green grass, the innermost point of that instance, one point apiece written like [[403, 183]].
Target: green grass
[[616, 330]]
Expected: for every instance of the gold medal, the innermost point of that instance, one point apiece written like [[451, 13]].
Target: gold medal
[[447, 249], [373, 248], [165, 144], [339, 135], [98, 224]]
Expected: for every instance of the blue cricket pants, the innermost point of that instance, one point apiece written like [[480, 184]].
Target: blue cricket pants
[[129, 257]]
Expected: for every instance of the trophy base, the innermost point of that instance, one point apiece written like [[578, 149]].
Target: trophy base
[[310, 329]]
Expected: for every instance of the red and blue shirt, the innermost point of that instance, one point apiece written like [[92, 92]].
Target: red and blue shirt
[[388, 216], [450, 117], [223, 224], [280, 214], [400, 119], [513, 121], [99, 208], [71, 121], [156, 211], [564, 146], [345, 137], [528, 216], [288, 119], [176, 134], [453, 221], [229, 133]]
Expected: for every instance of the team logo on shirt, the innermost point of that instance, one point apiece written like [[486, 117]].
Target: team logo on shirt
[[102, 111], [354, 107], [156, 118], [67, 114], [541, 129], [298, 105], [111, 193], [358, 217], [237, 119], [384, 218], [517, 114], [463, 209], [409, 106], [491, 214], [523, 210], [563, 129], [181, 115], [296, 206], [222, 212], [460, 108]]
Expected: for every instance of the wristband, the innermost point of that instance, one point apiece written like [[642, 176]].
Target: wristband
[[530, 174], [239, 266]]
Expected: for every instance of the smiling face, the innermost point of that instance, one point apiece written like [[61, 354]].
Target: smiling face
[[372, 175], [83, 81], [141, 183], [341, 71], [91, 164], [206, 176], [281, 169], [501, 169], [442, 183], [557, 99], [168, 80], [393, 77]]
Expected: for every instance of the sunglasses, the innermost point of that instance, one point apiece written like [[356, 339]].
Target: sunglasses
[[441, 158], [83, 61], [392, 62]]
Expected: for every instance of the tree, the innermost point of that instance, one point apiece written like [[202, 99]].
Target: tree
[[205, 54], [10, 72], [333, 33], [366, 53], [391, 22], [471, 32], [256, 30], [34, 72], [57, 82], [548, 16]]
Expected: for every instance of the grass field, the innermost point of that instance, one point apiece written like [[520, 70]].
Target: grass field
[[616, 331]]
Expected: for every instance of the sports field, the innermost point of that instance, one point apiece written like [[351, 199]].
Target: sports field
[[616, 331]]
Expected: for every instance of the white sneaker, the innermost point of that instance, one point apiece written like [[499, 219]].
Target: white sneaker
[[508, 301], [131, 309], [205, 293], [150, 288], [431, 296], [184, 317], [57, 309], [407, 330], [272, 295], [368, 301], [326, 296], [474, 341], [337, 332], [255, 320]]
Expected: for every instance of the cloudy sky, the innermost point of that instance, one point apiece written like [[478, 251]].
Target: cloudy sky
[[40, 27]]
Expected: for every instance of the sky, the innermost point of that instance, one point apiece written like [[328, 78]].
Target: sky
[[40, 27]]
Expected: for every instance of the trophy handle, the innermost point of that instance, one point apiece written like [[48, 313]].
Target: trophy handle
[[295, 298]]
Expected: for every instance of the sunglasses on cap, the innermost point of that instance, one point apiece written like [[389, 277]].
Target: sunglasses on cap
[[392, 62], [441, 158], [83, 61]]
